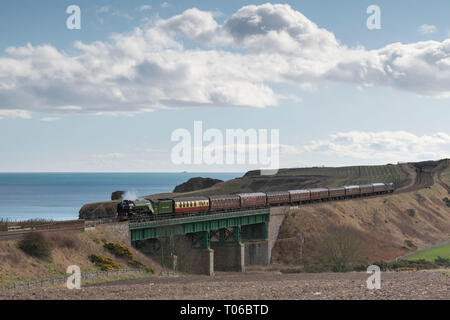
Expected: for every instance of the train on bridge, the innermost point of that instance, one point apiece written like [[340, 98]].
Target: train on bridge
[[185, 206]]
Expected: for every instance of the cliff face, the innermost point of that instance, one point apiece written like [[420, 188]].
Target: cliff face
[[117, 195], [195, 184], [98, 210]]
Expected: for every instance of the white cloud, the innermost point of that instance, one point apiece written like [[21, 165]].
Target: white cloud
[[49, 119], [427, 29], [107, 9], [384, 145], [144, 7], [14, 113], [231, 64], [165, 5]]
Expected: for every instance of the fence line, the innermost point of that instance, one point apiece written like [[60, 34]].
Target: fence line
[[84, 276]]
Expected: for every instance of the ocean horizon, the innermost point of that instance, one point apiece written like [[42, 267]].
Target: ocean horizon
[[60, 195]]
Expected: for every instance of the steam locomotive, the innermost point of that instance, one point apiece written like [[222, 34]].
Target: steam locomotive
[[177, 207]]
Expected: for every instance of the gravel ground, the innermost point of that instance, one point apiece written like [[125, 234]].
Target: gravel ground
[[257, 286]]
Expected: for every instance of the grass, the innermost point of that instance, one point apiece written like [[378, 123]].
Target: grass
[[432, 254], [16, 266]]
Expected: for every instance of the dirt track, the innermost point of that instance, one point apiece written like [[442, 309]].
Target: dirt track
[[406, 285]]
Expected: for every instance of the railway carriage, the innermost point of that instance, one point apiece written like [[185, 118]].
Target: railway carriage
[[224, 202], [256, 200], [366, 189], [336, 192], [277, 197], [191, 204], [299, 196], [319, 193], [352, 191]]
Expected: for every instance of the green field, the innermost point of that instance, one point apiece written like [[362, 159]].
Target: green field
[[432, 254]]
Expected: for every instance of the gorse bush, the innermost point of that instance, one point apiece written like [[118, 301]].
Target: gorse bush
[[105, 264], [36, 245], [122, 251], [119, 250]]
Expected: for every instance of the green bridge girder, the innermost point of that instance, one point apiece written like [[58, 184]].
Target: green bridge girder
[[199, 224]]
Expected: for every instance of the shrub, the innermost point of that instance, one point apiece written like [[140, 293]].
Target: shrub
[[447, 201], [341, 246], [119, 250], [36, 245], [410, 244], [406, 265], [105, 264], [442, 261], [411, 212]]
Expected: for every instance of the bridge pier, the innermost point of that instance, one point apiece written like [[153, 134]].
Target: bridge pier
[[229, 256], [201, 261], [257, 253]]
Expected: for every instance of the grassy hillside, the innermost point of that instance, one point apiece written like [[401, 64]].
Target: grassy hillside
[[386, 227], [65, 249]]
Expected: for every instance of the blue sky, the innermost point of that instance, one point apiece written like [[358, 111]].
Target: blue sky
[[339, 93]]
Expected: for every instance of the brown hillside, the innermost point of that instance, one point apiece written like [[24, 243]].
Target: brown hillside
[[66, 249], [388, 226]]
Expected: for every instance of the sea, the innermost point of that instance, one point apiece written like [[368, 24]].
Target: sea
[[59, 196]]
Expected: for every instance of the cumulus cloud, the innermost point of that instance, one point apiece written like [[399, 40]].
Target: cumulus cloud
[[230, 64], [385, 145], [427, 29], [14, 113]]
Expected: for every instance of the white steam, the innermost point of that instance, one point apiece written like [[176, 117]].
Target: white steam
[[130, 195]]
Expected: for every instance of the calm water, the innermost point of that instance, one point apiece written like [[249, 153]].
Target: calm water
[[59, 196]]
